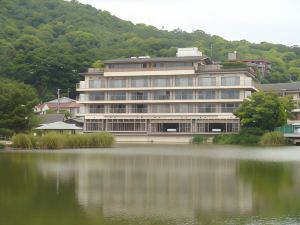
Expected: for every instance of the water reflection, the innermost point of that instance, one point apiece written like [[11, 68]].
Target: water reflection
[[133, 188]]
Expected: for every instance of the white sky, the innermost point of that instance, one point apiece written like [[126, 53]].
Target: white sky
[[276, 21]]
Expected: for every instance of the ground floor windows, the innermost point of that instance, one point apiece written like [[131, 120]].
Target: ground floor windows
[[163, 125]]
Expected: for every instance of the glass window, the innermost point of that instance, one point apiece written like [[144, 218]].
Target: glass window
[[125, 66], [207, 94], [97, 96], [160, 108], [184, 94], [230, 94], [183, 81], [229, 107], [207, 108], [161, 95], [96, 108], [139, 108], [139, 95], [117, 96], [96, 83], [117, 108], [117, 83], [139, 83], [183, 108], [161, 82], [230, 81], [206, 81]]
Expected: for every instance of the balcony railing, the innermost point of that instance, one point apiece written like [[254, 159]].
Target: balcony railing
[[96, 110], [117, 97], [117, 110], [139, 110], [183, 96], [139, 97], [161, 97]]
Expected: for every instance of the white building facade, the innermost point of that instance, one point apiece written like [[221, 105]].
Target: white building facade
[[183, 94]]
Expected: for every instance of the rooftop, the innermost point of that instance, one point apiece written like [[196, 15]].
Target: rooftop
[[160, 59], [294, 86]]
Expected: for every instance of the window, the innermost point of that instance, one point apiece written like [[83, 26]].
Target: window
[[95, 108], [207, 94], [97, 96], [139, 108], [94, 125], [207, 108], [160, 108], [230, 94], [118, 108], [117, 96], [183, 108], [161, 95], [117, 83], [125, 66], [185, 94], [96, 83], [183, 81], [206, 81], [161, 82], [229, 107], [230, 81], [139, 95], [139, 83]]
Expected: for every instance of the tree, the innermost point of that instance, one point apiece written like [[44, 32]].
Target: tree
[[264, 110], [17, 101]]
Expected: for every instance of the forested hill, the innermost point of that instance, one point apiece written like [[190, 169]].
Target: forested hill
[[47, 42]]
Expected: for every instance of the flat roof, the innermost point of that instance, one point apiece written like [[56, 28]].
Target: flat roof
[[279, 87], [159, 59]]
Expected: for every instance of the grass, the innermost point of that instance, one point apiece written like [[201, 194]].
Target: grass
[[273, 138], [2, 146], [238, 139], [199, 139], [58, 141]]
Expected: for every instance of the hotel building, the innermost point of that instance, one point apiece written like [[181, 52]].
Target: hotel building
[[183, 94]]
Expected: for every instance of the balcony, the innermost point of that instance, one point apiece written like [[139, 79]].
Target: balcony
[[139, 110], [117, 110]]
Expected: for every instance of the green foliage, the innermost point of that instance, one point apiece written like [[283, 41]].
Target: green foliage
[[273, 138], [238, 139], [232, 65], [100, 140], [17, 101], [24, 141], [199, 139], [51, 141], [48, 43], [264, 111], [6, 132], [2, 146], [251, 131]]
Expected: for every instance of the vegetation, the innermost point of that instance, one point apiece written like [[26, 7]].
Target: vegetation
[[2, 146], [273, 138], [264, 111], [238, 139], [24, 141], [199, 139], [58, 141], [47, 43], [17, 101]]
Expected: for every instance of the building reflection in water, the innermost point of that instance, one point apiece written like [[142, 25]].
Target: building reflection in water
[[154, 185]]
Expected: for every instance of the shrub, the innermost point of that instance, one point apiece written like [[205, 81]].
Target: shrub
[[52, 141], [2, 146], [100, 140], [198, 139], [76, 141], [251, 131], [22, 141], [236, 139], [273, 138]]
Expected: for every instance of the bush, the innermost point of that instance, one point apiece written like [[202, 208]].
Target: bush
[[2, 146], [100, 140], [76, 141], [273, 138], [6, 132], [236, 139], [51, 141], [251, 131], [198, 139], [23, 141]]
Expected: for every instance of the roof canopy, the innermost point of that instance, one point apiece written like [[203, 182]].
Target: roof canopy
[[58, 126]]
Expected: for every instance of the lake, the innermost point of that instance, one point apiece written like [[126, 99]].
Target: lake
[[151, 185]]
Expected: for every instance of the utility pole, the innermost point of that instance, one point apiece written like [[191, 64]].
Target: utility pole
[[211, 51], [58, 97]]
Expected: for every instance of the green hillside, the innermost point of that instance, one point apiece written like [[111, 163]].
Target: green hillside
[[47, 43]]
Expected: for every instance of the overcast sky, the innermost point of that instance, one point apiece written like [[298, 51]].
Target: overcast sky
[[276, 21]]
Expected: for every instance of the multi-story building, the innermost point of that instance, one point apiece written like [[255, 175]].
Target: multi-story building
[[184, 94]]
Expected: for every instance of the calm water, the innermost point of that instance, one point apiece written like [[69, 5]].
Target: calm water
[[151, 184]]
